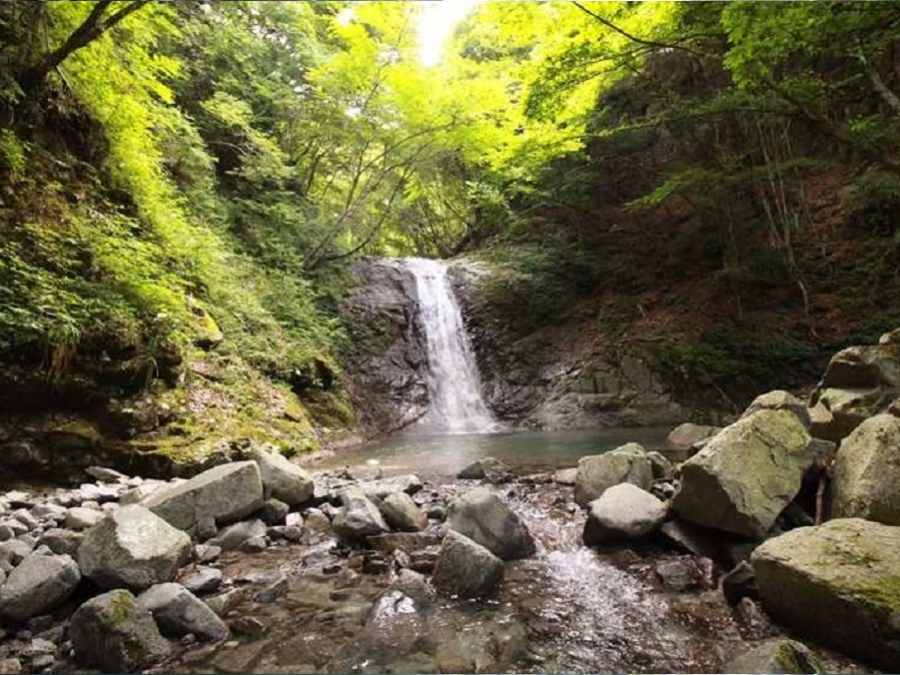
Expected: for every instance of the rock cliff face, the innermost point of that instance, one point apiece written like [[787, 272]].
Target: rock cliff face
[[387, 364], [549, 379], [542, 381]]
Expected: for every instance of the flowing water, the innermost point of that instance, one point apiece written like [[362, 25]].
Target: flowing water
[[457, 405]]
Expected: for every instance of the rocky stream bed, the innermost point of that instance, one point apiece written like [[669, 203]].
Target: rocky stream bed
[[629, 561]]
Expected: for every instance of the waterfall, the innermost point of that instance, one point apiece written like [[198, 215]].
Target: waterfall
[[453, 382]]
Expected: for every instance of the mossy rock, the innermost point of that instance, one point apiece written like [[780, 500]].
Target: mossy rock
[[839, 584], [776, 656]]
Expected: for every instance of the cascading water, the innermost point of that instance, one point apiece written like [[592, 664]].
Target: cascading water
[[453, 383]]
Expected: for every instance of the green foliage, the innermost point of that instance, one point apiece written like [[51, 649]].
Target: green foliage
[[13, 153]]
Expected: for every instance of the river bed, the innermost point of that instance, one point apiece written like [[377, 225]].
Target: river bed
[[568, 608]]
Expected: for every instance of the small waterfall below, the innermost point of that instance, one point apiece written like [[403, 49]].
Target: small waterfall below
[[454, 385]]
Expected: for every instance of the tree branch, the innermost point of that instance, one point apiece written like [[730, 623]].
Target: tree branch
[[90, 29]]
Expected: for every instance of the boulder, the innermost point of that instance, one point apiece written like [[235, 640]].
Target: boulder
[[358, 518], [483, 517], [223, 494], [274, 511], [867, 472], [838, 412], [283, 479], [660, 465], [624, 511], [178, 612], [745, 476], [203, 580], [112, 633], [15, 551], [487, 468], [776, 656], [566, 476], [465, 568], [133, 548], [780, 400], [62, 542], [864, 367], [685, 436], [740, 583], [680, 574], [626, 464], [837, 584], [138, 494], [381, 488], [38, 584], [692, 538], [402, 513], [233, 536], [80, 518]]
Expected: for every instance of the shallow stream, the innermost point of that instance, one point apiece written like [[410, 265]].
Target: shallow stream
[[569, 608]]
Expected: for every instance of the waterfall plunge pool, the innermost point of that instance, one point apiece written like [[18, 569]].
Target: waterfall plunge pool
[[444, 455]]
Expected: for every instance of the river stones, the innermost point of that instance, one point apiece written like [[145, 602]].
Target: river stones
[[133, 548], [358, 517], [867, 472], [80, 518], [402, 513], [61, 542], [233, 536], [686, 436], [483, 517], [838, 584], [745, 476], [379, 489], [487, 468], [623, 512], [776, 656], [466, 568], [178, 612], [283, 479], [220, 495], [112, 633], [37, 585], [626, 464]]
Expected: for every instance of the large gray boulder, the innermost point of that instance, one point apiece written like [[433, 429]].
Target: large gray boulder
[[864, 367], [133, 548], [466, 568], [626, 464], [112, 633], [867, 472], [837, 584], [623, 511], [745, 476], [38, 584], [779, 400], [837, 412], [221, 495], [776, 655], [178, 612], [483, 517], [402, 513], [358, 517], [283, 479]]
